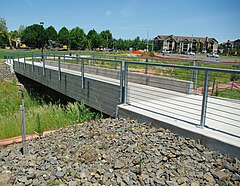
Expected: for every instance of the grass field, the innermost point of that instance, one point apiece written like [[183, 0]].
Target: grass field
[[39, 115]]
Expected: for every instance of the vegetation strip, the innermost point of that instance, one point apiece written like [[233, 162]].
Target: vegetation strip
[[39, 115]]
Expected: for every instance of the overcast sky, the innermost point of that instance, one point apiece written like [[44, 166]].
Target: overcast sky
[[128, 19]]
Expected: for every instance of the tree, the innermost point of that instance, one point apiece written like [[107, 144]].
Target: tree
[[93, 39], [63, 36], [198, 47], [3, 32], [12, 35], [136, 43], [20, 30], [34, 36], [106, 38], [51, 33], [78, 38]]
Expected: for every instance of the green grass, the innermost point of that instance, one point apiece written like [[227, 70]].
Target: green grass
[[2, 53], [229, 94], [39, 116]]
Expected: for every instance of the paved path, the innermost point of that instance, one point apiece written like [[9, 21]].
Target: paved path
[[185, 111]]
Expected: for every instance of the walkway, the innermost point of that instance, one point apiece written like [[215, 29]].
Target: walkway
[[169, 110]]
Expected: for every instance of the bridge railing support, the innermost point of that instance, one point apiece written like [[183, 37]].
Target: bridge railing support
[[18, 61], [33, 62], [115, 63], [24, 61], [125, 83], [77, 58], [13, 60], [204, 100], [82, 73], [59, 68], [43, 60], [121, 82], [146, 67]]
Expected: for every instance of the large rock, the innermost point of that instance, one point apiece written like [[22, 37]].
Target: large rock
[[116, 152], [5, 177]]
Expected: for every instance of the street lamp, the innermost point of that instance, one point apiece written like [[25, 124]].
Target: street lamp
[[42, 23]]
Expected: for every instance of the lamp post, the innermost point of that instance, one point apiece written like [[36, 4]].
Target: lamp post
[[42, 23]]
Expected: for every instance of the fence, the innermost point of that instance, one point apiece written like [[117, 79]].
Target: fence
[[196, 95]]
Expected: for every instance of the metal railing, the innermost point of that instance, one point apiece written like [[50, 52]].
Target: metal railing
[[192, 94], [203, 106]]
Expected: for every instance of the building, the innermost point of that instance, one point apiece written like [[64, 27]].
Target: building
[[231, 44], [185, 44]]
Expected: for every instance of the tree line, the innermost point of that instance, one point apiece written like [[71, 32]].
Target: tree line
[[36, 36]]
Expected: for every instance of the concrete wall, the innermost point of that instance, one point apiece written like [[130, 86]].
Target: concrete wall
[[99, 95], [144, 79], [205, 139], [6, 72]]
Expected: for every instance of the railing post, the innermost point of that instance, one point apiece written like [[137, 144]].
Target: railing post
[[59, 69], [24, 61], [33, 62], [77, 58], [43, 65], [196, 82], [192, 76], [13, 60], [115, 63], [125, 82], [121, 82], [54, 55], [82, 73], [18, 61], [204, 100], [146, 67]]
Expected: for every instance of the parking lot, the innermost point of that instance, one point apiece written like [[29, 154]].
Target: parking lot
[[204, 57]]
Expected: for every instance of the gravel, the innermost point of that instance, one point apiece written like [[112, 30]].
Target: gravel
[[116, 152]]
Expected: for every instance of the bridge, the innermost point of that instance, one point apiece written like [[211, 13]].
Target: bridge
[[171, 96]]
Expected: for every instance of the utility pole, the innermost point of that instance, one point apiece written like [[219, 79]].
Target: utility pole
[[147, 40]]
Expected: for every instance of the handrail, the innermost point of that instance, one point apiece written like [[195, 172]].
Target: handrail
[[184, 67]]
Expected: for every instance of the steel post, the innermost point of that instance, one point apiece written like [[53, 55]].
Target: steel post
[[192, 76], [24, 61], [77, 58], [196, 82], [43, 65], [59, 69], [82, 73], [18, 61], [125, 82], [23, 125], [146, 67], [121, 82], [115, 63], [204, 100], [33, 62]]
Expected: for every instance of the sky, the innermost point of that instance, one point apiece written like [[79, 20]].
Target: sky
[[128, 19]]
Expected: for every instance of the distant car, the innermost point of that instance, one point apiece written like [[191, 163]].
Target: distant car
[[213, 55], [191, 53]]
